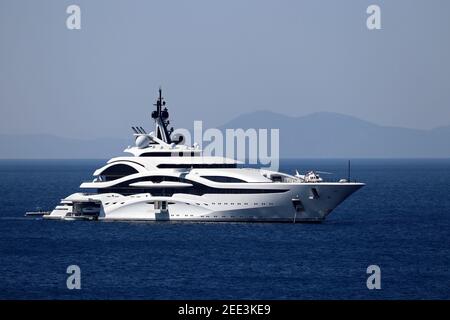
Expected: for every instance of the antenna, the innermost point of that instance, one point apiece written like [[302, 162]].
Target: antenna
[[161, 117], [159, 102], [348, 171], [134, 130], [142, 129]]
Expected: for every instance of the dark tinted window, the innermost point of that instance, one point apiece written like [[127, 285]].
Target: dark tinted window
[[196, 166], [223, 179], [196, 189], [168, 154], [156, 154], [118, 171]]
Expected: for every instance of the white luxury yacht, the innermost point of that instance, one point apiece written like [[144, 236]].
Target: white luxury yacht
[[165, 180]]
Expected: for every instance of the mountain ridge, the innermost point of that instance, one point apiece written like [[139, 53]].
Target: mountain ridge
[[319, 134], [328, 134]]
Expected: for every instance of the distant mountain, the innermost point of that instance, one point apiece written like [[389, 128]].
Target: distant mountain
[[321, 134], [325, 134]]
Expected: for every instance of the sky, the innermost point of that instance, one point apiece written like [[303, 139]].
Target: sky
[[218, 59]]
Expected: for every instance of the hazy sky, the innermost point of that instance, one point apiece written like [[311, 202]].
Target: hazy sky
[[218, 59]]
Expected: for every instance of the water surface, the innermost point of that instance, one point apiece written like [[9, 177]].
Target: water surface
[[399, 221]]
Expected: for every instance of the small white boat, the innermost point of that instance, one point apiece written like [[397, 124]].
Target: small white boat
[[37, 213]]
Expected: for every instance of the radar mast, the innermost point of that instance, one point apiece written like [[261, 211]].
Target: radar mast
[[161, 117]]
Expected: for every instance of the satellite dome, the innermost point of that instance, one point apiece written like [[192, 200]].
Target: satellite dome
[[142, 141]]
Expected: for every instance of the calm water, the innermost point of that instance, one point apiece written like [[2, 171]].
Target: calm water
[[399, 221]]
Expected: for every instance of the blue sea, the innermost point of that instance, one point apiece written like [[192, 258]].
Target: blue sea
[[400, 221]]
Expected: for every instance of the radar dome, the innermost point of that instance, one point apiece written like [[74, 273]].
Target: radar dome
[[142, 142]]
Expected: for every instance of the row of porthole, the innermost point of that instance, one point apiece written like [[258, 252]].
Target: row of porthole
[[239, 204], [177, 215], [113, 203]]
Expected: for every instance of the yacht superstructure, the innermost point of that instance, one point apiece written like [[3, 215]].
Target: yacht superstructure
[[165, 180]]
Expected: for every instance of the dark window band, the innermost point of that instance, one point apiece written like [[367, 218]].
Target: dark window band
[[224, 179], [196, 166], [196, 189], [168, 154]]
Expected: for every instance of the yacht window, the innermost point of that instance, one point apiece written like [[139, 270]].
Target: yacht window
[[117, 171], [168, 154], [276, 178], [223, 179], [195, 166], [156, 154]]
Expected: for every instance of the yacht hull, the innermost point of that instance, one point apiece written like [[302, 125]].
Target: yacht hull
[[297, 204]]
